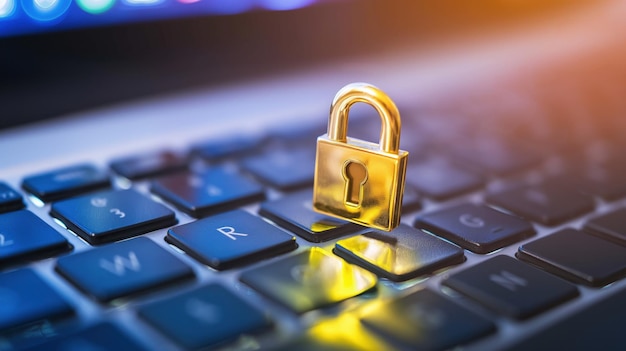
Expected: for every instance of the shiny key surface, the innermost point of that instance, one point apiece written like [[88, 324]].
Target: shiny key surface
[[112, 215], [66, 182], [611, 226], [425, 320], [475, 227], [309, 280], [577, 256], [401, 254], [99, 337], [295, 213], [204, 317], [121, 269], [213, 191], [339, 333], [548, 203], [511, 287], [26, 298], [230, 239], [10, 200], [24, 237]]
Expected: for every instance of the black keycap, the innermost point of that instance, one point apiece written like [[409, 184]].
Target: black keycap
[[99, 337], [295, 213], [425, 320], [66, 182], [24, 236], [596, 327], [611, 226], [112, 215], [25, 298], [441, 180], [511, 287], [204, 317], [216, 190], [309, 280], [122, 269], [230, 239], [149, 165], [285, 169], [577, 256], [401, 254], [549, 203], [10, 200], [477, 228]]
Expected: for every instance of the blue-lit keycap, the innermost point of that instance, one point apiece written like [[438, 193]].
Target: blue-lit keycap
[[216, 190], [283, 169], [295, 213], [65, 182], [112, 215], [99, 337], [230, 239], [124, 268], [149, 165], [401, 254], [23, 236], [425, 320], [10, 200], [204, 317], [310, 280], [25, 298]]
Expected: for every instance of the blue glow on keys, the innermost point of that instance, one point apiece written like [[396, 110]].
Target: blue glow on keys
[[45, 10]]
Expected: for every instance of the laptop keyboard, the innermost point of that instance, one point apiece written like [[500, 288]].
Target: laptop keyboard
[[503, 245]]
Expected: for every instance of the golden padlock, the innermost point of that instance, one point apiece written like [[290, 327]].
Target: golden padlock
[[356, 180]]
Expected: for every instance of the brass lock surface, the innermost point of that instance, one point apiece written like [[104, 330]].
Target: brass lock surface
[[356, 180]]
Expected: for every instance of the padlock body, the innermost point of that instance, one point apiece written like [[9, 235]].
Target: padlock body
[[381, 193]]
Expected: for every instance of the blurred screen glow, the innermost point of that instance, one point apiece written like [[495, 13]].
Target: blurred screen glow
[[95, 6], [45, 10], [18, 17], [7, 8]]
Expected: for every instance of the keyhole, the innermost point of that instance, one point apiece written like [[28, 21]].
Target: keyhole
[[355, 175]]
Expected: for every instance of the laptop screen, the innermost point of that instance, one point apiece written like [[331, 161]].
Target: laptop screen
[[58, 57], [19, 17]]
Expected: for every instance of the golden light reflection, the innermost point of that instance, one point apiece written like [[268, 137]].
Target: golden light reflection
[[346, 332], [383, 253], [333, 277]]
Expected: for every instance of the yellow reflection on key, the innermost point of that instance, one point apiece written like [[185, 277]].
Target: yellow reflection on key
[[345, 332], [309, 280], [332, 276]]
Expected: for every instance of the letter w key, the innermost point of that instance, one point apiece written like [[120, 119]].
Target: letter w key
[[120, 264], [121, 269]]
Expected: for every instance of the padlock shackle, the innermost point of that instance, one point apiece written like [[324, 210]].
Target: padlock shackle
[[371, 95]]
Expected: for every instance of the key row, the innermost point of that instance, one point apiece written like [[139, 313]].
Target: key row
[[203, 316], [113, 215]]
